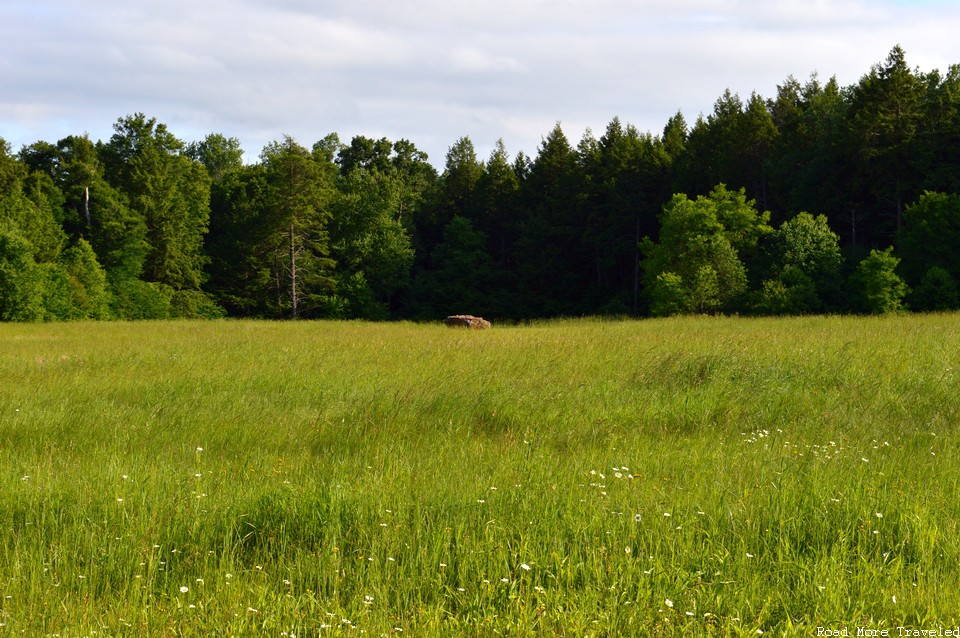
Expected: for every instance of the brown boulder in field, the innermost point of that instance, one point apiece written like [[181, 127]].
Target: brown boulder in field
[[467, 321]]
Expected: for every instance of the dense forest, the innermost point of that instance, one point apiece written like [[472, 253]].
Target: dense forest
[[822, 198]]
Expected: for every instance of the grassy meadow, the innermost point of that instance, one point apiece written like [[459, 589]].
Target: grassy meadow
[[693, 476]]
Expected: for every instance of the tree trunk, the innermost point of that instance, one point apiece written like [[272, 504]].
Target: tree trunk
[[86, 204], [293, 275]]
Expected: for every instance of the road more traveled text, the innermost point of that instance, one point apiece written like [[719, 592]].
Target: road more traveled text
[[897, 631]]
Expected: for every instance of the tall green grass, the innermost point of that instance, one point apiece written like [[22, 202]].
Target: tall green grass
[[665, 477]]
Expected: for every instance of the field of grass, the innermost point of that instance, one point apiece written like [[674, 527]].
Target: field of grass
[[689, 476]]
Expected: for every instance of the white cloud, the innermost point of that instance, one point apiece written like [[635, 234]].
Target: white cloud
[[429, 70]]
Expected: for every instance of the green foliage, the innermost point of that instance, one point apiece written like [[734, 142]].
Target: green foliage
[[806, 252], [669, 296], [937, 291], [704, 292], [369, 242], [792, 292], [496, 202], [930, 236], [732, 145], [21, 279], [807, 243], [625, 182], [886, 115], [341, 230], [96, 211], [354, 299], [170, 191], [463, 278], [31, 204], [134, 299], [238, 244], [296, 239], [218, 154], [876, 285], [55, 286], [88, 292], [552, 261], [194, 304], [698, 242]]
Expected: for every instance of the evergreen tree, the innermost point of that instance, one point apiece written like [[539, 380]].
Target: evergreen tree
[[625, 179], [97, 212], [496, 203], [464, 278], [553, 263], [170, 191], [240, 244], [297, 202], [31, 205], [886, 114]]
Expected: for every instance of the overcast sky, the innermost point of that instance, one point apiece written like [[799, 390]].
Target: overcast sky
[[430, 71]]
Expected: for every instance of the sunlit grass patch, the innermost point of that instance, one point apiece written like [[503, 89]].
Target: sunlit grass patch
[[255, 478]]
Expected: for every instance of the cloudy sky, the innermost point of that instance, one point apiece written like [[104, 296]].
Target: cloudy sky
[[430, 71]]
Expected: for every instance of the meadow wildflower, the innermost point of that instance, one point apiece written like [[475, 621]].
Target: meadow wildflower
[[668, 603], [184, 589]]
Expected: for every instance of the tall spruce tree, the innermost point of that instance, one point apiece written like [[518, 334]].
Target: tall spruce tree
[[296, 244], [170, 191]]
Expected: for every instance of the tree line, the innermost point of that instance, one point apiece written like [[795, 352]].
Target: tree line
[[822, 198]]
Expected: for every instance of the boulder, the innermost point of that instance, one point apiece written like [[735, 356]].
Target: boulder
[[467, 321]]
